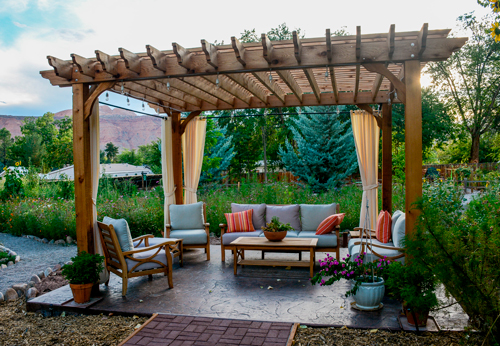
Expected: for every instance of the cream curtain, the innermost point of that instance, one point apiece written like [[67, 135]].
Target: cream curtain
[[95, 168], [366, 137], [167, 168], [193, 146]]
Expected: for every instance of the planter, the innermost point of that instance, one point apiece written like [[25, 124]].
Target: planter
[[421, 318], [369, 294], [81, 293], [275, 236]]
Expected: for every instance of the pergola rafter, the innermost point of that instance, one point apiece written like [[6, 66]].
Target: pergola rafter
[[360, 70]]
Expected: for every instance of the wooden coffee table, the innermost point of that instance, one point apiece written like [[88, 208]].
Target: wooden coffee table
[[261, 243]]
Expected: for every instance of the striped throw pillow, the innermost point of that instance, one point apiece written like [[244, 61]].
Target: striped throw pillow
[[327, 225], [240, 222], [384, 223]]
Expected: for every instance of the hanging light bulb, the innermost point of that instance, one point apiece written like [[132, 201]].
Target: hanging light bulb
[[326, 73], [107, 96], [143, 107], [157, 110], [128, 101], [270, 76], [300, 111], [338, 110], [168, 86], [122, 89], [395, 94], [389, 101], [217, 80]]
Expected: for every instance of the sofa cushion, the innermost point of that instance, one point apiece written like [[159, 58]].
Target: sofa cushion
[[259, 213], [398, 234], [152, 242], [384, 223], [328, 224], [395, 217], [186, 216], [160, 257], [355, 249], [122, 232], [311, 215], [289, 234], [286, 214], [190, 236], [325, 240], [240, 222], [227, 238]]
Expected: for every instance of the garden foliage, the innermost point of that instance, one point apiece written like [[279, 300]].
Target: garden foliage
[[85, 269]]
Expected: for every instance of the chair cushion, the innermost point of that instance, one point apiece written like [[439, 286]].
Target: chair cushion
[[240, 222], [286, 214], [190, 236], [324, 240], [289, 234], [122, 232], [395, 217], [227, 238], [259, 213], [328, 224], [312, 215], [355, 249], [160, 257], [398, 234], [186, 216], [383, 231], [152, 241]]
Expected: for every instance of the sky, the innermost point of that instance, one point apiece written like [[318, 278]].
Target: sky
[[32, 29]]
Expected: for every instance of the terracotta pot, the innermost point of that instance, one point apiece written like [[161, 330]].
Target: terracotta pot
[[275, 236], [81, 293], [421, 318]]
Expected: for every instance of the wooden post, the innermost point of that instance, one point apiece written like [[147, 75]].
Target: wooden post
[[83, 173], [177, 157], [387, 157], [413, 140]]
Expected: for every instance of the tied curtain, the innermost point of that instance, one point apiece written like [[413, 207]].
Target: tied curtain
[[167, 168], [366, 137], [95, 168], [193, 146]]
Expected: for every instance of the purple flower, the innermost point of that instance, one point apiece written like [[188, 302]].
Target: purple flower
[[348, 255], [343, 265]]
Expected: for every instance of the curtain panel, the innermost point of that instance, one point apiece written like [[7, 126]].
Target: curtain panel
[[193, 146]]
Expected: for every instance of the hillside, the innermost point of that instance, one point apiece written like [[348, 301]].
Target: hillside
[[123, 128]]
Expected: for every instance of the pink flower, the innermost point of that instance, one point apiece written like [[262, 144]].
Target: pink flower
[[343, 265]]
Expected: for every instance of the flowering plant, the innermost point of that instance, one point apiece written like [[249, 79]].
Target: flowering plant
[[358, 270]]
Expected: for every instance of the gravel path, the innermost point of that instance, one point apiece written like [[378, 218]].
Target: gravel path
[[35, 257]]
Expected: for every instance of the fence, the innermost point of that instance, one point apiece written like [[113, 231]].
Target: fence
[[447, 170]]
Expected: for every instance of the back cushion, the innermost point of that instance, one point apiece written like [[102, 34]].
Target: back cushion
[[259, 213], [399, 231], [122, 232], [383, 231], [328, 224], [286, 214], [240, 222], [186, 216], [395, 217], [312, 215]]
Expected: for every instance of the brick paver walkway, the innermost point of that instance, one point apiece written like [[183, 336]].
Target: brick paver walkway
[[171, 330]]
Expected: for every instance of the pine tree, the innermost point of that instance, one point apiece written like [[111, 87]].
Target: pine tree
[[219, 151], [324, 153]]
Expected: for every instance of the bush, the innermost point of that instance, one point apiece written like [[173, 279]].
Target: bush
[[6, 258], [13, 185], [85, 269]]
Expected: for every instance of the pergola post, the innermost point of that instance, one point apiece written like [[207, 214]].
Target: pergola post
[[413, 141], [83, 174], [177, 157], [387, 157]]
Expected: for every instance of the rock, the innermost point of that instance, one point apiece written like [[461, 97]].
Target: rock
[[1, 297], [31, 293], [10, 294], [51, 241], [36, 238], [47, 272], [4, 266], [41, 275], [59, 242], [18, 258], [69, 263], [20, 289], [57, 267], [31, 284], [12, 253], [35, 279], [69, 240], [10, 263], [2, 248], [44, 240]]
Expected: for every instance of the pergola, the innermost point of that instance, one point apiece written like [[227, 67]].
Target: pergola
[[341, 70]]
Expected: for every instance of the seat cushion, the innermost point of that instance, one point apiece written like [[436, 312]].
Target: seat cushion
[[152, 241], [289, 234], [286, 214], [122, 232], [240, 221], [355, 249], [398, 234], [324, 240], [160, 257], [227, 238], [259, 213], [312, 215], [186, 216], [190, 236]]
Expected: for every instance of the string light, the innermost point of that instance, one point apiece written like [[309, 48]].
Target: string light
[[128, 101], [270, 76], [168, 85], [143, 106], [107, 96], [326, 73], [338, 110], [123, 89], [217, 80]]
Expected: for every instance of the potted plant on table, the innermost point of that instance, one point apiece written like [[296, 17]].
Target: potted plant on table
[[82, 274], [275, 230], [415, 288], [367, 283]]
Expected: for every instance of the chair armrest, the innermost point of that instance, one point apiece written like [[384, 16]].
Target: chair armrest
[[207, 229], [168, 228], [142, 249], [380, 246], [143, 236], [223, 227]]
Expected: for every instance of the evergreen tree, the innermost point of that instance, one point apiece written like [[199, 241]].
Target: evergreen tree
[[219, 151], [325, 153], [6, 142]]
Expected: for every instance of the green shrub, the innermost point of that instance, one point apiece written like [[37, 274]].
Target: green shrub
[[6, 258], [85, 269], [13, 185]]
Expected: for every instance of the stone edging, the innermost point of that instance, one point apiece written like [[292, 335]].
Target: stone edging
[[69, 240], [10, 252], [28, 290]]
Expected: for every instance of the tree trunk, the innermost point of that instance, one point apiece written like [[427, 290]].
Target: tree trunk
[[474, 149]]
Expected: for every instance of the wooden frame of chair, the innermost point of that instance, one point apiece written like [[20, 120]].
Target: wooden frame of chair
[[367, 246], [206, 246], [115, 258], [177, 251]]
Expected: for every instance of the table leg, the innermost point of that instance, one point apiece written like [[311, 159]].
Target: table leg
[[311, 261], [235, 255]]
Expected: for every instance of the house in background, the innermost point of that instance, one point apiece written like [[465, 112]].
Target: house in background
[[112, 170], [20, 170]]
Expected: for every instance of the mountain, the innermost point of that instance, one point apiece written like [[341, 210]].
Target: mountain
[[123, 128]]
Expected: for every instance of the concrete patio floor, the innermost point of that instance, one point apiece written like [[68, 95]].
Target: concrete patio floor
[[210, 289]]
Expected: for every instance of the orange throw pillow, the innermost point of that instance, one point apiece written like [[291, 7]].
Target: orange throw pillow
[[383, 231], [240, 222], [327, 225]]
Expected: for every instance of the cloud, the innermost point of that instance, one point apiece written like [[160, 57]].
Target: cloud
[[19, 25], [3, 102]]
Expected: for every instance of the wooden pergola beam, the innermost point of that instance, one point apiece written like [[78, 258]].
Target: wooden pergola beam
[[87, 67], [209, 88], [183, 56], [170, 92], [391, 36], [62, 68], [422, 39], [307, 71], [132, 60], [211, 53], [356, 83], [271, 85], [158, 58], [247, 83], [239, 50], [381, 69], [109, 63], [226, 84]]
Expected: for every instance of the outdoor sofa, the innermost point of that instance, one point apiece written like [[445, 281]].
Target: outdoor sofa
[[303, 218]]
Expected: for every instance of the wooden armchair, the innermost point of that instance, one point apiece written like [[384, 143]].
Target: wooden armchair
[[142, 261]]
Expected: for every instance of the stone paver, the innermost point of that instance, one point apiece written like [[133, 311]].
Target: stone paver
[[174, 330]]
